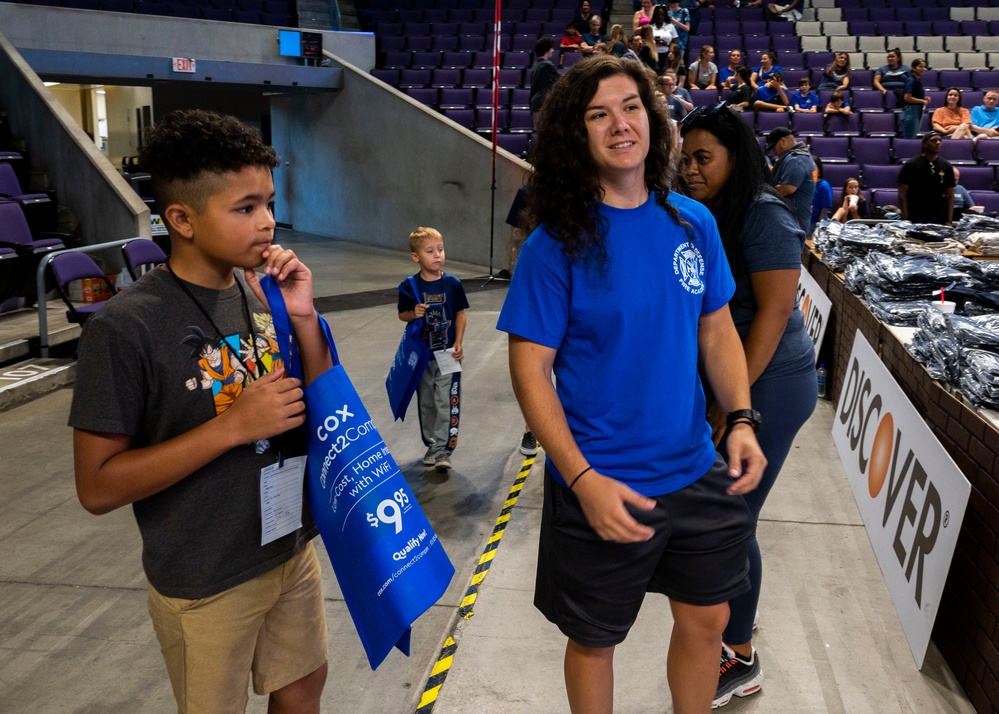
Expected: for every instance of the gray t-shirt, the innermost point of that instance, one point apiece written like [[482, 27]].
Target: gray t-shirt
[[771, 239], [795, 169], [152, 367]]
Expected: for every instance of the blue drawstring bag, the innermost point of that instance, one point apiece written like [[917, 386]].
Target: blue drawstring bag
[[389, 563], [411, 359]]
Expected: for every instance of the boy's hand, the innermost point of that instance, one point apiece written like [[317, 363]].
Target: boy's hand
[[267, 407], [459, 354], [294, 279], [420, 310]]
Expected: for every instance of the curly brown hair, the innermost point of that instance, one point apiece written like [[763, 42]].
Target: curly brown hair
[[188, 149], [563, 191]]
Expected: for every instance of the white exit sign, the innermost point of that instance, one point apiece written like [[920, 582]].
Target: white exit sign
[[184, 64]]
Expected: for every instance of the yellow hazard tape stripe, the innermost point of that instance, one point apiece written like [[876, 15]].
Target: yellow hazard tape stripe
[[437, 677]]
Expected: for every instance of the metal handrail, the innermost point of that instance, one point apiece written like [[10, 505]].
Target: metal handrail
[[43, 318]]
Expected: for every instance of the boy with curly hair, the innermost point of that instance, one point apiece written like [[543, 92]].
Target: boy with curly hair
[[176, 413]]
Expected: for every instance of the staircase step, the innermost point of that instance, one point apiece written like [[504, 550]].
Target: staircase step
[[31, 378]]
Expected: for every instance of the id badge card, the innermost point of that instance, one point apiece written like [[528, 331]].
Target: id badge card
[[282, 486]]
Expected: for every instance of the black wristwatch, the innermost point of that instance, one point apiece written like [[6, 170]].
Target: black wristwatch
[[744, 415]]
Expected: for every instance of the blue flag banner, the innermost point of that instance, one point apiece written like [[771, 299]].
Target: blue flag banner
[[411, 359], [389, 563]]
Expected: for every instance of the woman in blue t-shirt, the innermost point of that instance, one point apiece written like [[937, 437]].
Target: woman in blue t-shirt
[[726, 170], [768, 66]]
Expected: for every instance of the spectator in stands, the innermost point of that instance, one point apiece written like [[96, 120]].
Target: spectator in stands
[[767, 66], [742, 95], [805, 100], [952, 121], [838, 104], [891, 77], [572, 40], [822, 201], [694, 8], [703, 73], [770, 97], [963, 202], [544, 73], [678, 106], [680, 17], [584, 18], [680, 92], [914, 100], [787, 11], [643, 16], [793, 173], [674, 62], [663, 32], [188, 419], [926, 185], [836, 74], [726, 171], [644, 50], [617, 40], [985, 118], [601, 48], [726, 75], [601, 245], [593, 37], [852, 204]]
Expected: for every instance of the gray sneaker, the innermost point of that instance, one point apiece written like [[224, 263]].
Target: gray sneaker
[[442, 462], [529, 445], [428, 458]]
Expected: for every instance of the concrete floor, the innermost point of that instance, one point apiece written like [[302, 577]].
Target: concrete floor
[[75, 636]]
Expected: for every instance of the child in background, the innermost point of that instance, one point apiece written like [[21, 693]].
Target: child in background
[[182, 409], [441, 306], [838, 104], [805, 100]]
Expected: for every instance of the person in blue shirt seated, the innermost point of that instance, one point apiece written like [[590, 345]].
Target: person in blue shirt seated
[[594, 37], [727, 75], [768, 66], [985, 118], [838, 105], [770, 97], [805, 100]]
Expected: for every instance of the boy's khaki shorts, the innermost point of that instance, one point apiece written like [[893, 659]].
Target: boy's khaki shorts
[[273, 626]]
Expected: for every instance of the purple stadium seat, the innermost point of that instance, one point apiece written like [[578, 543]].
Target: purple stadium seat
[[752, 43], [806, 124], [512, 78], [786, 43], [419, 43], [141, 255], [521, 121], [521, 99], [867, 100], [471, 43], [434, 15], [701, 97], [985, 79], [570, 58], [463, 117], [484, 120], [456, 60], [978, 178], [750, 27], [531, 29], [454, 98], [971, 98], [884, 197], [389, 76], [831, 149], [862, 28], [840, 125], [445, 43], [473, 29], [516, 144], [217, 14], [791, 79], [939, 14], [791, 61], [415, 77], [118, 5], [482, 60], [522, 43], [818, 60], [960, 78], [875, 124], [397, 60], [768, 121], [905, 149], [861, 78], [442, 78], [988, 151], [516, 60], [871, 150], [460, 15], [249, 17], [14, 229], [989, 200], [881, 14], [695, 42], [67, 267], [730, 27], [444, 29], [881, 176], [959, 152], [477, 78], [918, 28], [974, 28], [837, 174], [416, 29], [946, 28], [538, 14], [425, 60], [423, 95], [891, 27], [410, 15], [390, 29]]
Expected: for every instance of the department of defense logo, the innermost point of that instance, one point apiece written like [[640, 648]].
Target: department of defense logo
[[688, 265]]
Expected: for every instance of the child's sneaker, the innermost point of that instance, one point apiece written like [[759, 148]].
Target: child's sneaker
[[442, 462], [429, 457], [529, 445], [737, 677]]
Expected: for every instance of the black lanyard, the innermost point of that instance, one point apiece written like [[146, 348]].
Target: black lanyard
[[254, 373]]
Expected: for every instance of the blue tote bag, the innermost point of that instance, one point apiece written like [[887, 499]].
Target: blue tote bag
[[389, 563], [411, 359]]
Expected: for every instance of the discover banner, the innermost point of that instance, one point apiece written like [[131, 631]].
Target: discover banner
[[910, 493]]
